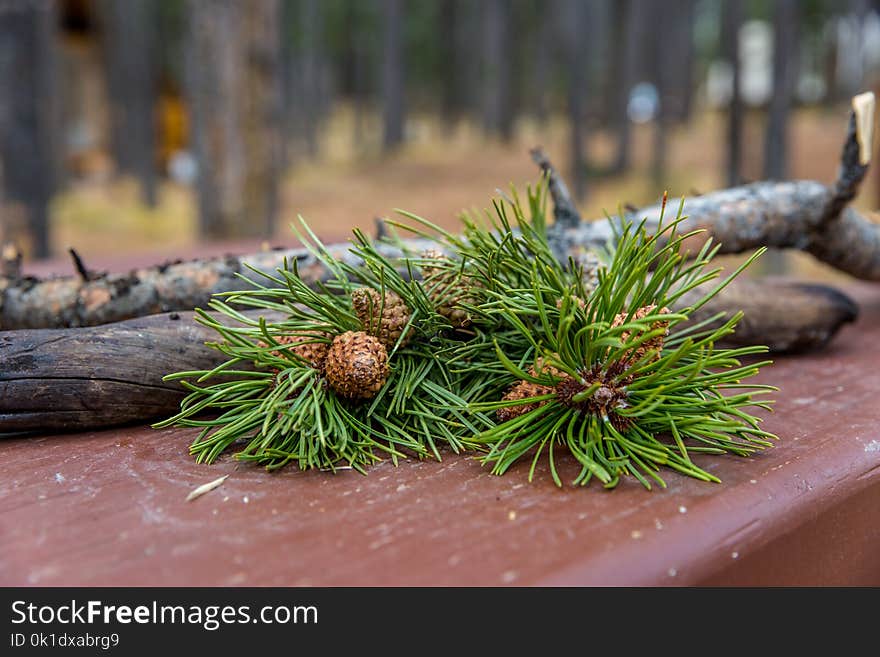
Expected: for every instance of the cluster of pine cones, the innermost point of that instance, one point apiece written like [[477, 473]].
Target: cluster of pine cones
[[355, 363]]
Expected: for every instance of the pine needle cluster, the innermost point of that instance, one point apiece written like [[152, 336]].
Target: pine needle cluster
[[487, 343]]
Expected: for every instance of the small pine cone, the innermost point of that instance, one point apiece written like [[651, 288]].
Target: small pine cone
[[385, 319], [303, 346], [357, 365], [517, 391], [655, 343], [448, 290]]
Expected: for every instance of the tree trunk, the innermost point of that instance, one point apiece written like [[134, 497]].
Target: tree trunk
[[680, 46], [663, 20], [497, 88], [28, 126], [129, 32], [577, 17], [627, 51], [313, 92], [785, 67], [235, 95], [451, 80], [392, 75], [542, 65], [731, 22]]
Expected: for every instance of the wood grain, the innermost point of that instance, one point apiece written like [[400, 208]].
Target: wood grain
[[67, 379]]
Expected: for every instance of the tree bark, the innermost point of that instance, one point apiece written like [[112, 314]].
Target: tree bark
[[313, 95], [680, 46], [663, 19], [542, 66], [28, 127], [69, 379], [235, 98]]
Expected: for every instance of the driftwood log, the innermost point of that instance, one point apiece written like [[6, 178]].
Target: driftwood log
[[82, 378], [805, 215], [59, 379]]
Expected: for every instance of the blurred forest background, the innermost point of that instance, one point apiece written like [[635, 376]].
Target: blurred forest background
[[142, 130]]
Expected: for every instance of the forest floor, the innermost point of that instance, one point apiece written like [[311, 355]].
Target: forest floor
[[435, 175]]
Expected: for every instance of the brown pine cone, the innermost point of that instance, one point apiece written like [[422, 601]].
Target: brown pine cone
[[385, 318], [517, 391], [301, 345], [356, 365], [655, 343], [448, 289]]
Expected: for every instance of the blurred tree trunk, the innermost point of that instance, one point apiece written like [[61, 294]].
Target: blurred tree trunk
[[627, 48], [128, 39], [663, 19], [235, 96], [785, 66], [392, 75], [731, 21], [497, 88], [313, 99], [28, 126], [289, 66], [542, 63], [678, 46], [451, 80], [577, 28], [360, 35]]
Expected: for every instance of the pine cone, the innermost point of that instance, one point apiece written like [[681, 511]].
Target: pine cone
[[385, 318], [525, 389], [303, 346], [357, 365], [541, 367], [655, 343], [517, 391], [447, 289]]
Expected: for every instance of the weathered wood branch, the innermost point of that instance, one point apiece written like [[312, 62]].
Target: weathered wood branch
[[787, 316], [565, 211], [84, 378], [60, 379]]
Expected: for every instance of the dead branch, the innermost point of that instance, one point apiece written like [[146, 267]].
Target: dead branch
[[565, 211], [54, 379], [787, 316]]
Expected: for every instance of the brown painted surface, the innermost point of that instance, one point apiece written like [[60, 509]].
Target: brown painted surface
[[109, 507]]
